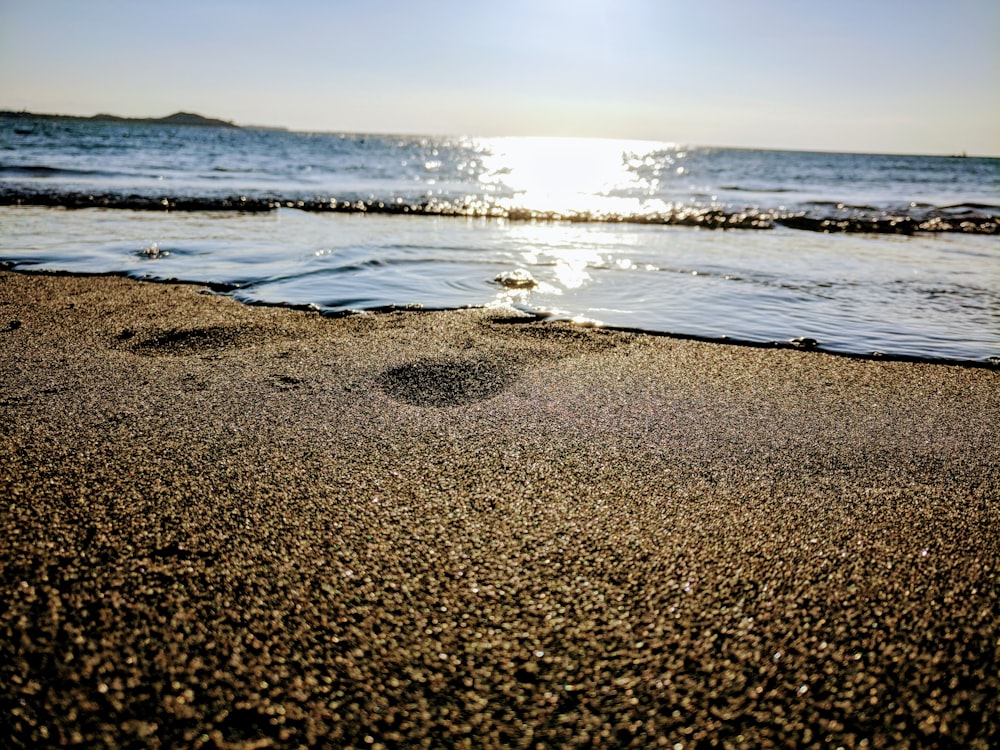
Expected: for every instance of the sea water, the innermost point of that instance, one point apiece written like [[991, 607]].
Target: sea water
[[862, 253]]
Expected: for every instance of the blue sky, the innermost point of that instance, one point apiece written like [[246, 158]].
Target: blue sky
[[918, 77]]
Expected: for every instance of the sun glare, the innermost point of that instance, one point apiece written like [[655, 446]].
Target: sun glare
[[570, 176]]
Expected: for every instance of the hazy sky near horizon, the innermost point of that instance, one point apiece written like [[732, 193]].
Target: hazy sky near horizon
[[864, 75]]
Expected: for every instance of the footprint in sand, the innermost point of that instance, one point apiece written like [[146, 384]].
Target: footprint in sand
[[448, 381]]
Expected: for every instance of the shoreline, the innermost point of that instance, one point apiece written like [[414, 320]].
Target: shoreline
[[244, 526], [803, 344]]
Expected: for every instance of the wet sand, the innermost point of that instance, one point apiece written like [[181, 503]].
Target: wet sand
[[232, 526]]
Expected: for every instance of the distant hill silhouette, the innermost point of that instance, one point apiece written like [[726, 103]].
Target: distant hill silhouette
[[178, 118]]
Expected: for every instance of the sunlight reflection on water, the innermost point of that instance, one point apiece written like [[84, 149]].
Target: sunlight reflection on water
[[570, 176]]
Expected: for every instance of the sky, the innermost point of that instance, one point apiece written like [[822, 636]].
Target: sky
[[858, 75]]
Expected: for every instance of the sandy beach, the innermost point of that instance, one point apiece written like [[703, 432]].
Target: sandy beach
[[243, 527]]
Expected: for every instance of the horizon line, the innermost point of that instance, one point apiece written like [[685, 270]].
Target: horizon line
[[283, 128]]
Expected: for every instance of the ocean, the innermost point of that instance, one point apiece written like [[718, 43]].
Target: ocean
[[850, 253]]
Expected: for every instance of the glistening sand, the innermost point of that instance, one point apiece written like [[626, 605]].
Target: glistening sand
[[231, 526]]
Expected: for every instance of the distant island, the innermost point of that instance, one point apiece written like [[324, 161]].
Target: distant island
[[187, 119]]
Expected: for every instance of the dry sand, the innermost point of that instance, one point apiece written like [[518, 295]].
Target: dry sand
[[233, 526]]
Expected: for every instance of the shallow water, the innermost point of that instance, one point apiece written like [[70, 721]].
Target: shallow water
[[935, 296], [908, 262]]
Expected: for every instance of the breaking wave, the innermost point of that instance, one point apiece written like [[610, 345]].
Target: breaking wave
[[827, 217]]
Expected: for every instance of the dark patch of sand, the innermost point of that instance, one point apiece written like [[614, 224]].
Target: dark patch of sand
[[183, 341], [445, 530], [448, 381]]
